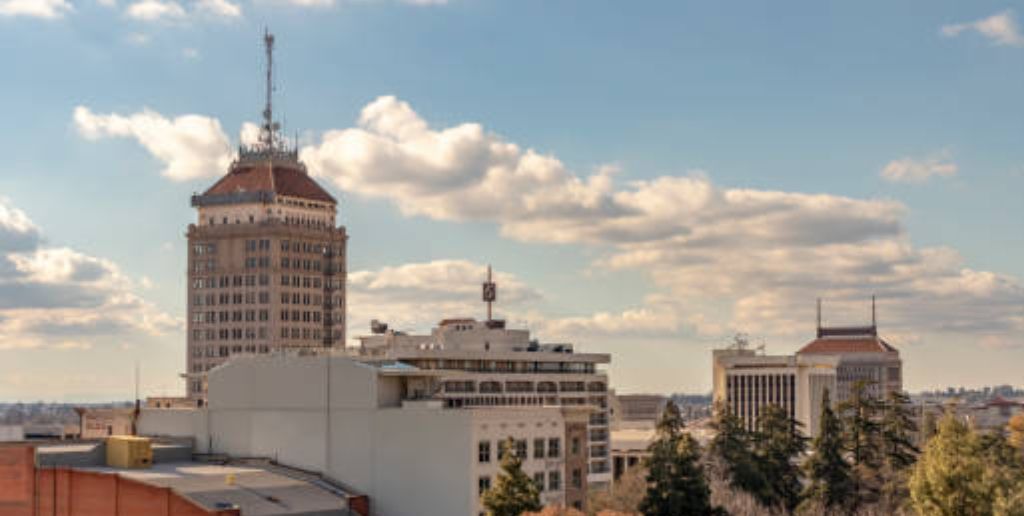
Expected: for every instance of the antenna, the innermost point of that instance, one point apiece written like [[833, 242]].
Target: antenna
[[268, 111], [819, 317], [490, 293], [874, 320]]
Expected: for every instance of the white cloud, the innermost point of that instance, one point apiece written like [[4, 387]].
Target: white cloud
[[191, 146], [1000, 28], [190, 53], [57, 297], [46, 9], [156, 10], [730, 258], [915, 170], [219, 8]]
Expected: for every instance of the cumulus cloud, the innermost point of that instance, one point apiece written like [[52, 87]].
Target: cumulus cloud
[[219, 8], [762, 255], [155, 10], [915, 170], [1001, 29], [56, 296], [191, 146], [45, 9]]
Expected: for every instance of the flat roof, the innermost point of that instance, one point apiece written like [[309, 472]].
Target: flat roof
[[256, 491]]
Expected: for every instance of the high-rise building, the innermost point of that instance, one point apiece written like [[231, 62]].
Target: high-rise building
[[266, 262], [839, 357]]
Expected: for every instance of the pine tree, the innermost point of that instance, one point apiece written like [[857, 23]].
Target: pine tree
[[731, 452], [675, 480], [514, 492], [862, 435], [830, 483], [777, 446], [899, 452]]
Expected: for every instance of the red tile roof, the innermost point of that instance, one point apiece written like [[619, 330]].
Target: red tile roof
[[827, 345], [281, 179]]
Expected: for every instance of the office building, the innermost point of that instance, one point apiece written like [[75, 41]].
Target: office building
[[266, 261]]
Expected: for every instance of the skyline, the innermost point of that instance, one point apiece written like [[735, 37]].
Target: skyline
[[645, 181]]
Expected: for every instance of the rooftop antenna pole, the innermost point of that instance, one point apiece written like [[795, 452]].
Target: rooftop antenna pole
[[138, 405], [874, 320], [819, 317], [268, 111]]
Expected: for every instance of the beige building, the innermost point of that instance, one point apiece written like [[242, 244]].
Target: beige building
[[835, 360], [266, 260], [484, 364], [374, 427]]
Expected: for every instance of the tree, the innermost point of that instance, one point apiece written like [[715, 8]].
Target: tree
[[514, 492], [732, 456], [777, 446], [675, 480], [899, 453], [830, 483], [962, 473], [624, 495], [1016, 429], [862, 435]]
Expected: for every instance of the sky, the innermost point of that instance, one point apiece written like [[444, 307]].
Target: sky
[[648, 179]]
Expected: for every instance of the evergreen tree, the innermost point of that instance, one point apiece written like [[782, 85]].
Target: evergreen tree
[[675, 480], [830, 483], [731, 452], [898, 450], [862, 434], [778, 445], [514, 492]]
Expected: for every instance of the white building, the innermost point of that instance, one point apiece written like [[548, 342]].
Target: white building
[[484, 364], [373, 428], [838, 358]]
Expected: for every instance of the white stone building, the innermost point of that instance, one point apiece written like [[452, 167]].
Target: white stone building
[[373, 428], [484, 364]]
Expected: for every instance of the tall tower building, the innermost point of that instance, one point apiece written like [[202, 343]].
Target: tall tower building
[[266, 262]]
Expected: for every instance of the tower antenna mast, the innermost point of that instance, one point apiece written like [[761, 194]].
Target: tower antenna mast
[[490, 292], [268, 111]]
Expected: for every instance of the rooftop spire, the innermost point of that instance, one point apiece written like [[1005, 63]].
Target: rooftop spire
[[269, 126]]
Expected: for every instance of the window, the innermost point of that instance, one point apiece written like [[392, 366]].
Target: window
[[285, 262], [483, 484], [575, 445], [284, 280], [264, 315], [553, 447], [521, 448], [250, 280], [264, 244], [250, 245], [577, 478], [538, 480], [538, 448], [264, 298], [250, 263], [285, 245], [284, 333], [554, 481], [484, 451]]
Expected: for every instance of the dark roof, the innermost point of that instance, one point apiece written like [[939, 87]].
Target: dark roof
[[282, 179], [856, 344]]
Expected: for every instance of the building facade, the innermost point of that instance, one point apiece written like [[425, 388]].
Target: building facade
[[266, 260], [374, 427], [746, 382], [483, 364]]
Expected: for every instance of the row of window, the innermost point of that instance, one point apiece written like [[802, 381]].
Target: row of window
[[488, 387], [506, 366], [226, 351], [210, 317], [238, 280], [297, 298], [553, 449], [554, 481], [237, 298], [262, 244], [201, 248], [303, 316]]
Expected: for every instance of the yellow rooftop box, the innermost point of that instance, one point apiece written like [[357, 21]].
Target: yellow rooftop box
[[129, 451]]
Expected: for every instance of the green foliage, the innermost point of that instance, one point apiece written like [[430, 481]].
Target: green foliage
[[963, 473], [777, 447], [732, 451], [514, 492], [862, 435], [830, 483], [899, 451], [675, 480]]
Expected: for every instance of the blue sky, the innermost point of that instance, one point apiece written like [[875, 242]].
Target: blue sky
[[764, 155]]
